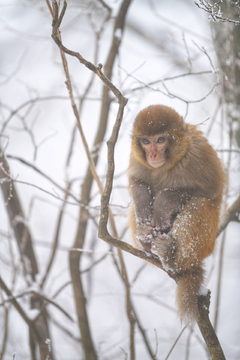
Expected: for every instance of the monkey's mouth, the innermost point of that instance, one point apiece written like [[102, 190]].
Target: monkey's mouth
[[157, 164]]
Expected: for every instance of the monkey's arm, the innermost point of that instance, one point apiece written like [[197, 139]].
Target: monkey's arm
[[166, 206], [142, 200], [141, 214]]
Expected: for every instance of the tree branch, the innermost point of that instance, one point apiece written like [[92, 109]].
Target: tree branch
[[231, 214]]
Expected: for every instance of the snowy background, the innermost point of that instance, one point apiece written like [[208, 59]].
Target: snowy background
[[161, 40]]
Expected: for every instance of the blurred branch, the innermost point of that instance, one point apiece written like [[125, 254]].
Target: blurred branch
[[231, 214], [17, 220], [5, 333], [215, 11], [44, 175], [37, 295], [70, 334], [23, 105], [219, 281], [129, 307], [174, 24], [227, 46], [229, 150], [12, 180], [175, 342], [135, 317], [23, 237], [82, 272], [160, 41], [56, 239], [18, 307], [144, 85], [35, 328]]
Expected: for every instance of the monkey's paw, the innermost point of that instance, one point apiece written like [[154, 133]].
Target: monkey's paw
[[144, 236], [164, 247]]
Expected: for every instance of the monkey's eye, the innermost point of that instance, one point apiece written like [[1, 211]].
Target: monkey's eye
[[145, 141], [161, 139]]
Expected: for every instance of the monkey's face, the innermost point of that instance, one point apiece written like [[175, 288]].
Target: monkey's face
[[155, 149], [159, 137]]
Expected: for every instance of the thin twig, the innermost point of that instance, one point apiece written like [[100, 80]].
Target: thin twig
[[42, 174], [56, 240], [175, 342]]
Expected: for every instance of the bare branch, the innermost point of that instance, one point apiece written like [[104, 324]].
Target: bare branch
[[96, 69], [207, 330]]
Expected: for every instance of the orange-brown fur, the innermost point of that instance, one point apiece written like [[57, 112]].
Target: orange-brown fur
[[193, 168]]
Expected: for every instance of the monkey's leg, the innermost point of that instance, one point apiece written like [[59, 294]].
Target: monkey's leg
[[167, 204], [191, 238], [195, 232]]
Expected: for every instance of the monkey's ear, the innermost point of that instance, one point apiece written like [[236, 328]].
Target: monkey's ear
[[182, 123]]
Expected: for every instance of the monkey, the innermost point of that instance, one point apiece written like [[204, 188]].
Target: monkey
[[176, 181]]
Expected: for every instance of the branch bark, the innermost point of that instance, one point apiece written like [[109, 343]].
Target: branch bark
[[206, 328]]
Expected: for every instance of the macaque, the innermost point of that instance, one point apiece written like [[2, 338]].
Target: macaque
[[176, 181]]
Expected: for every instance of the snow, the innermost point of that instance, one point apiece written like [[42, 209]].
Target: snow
[[203, 291], [118, 33]]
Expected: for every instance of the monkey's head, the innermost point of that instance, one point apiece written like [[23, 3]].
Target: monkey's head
[[159, 137]]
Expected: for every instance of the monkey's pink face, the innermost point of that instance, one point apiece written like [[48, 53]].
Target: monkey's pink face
[[154, 148]]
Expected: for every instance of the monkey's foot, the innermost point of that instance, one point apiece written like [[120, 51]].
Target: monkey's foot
[[164, 247]]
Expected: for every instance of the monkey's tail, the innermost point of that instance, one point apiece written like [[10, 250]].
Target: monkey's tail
[[187, 291]]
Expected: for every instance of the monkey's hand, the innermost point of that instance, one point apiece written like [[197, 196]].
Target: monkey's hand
[[144, 236], [164, 247]]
